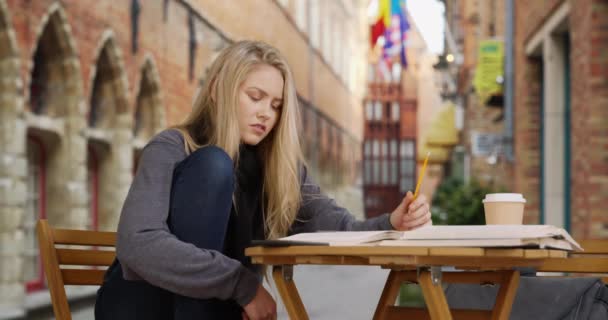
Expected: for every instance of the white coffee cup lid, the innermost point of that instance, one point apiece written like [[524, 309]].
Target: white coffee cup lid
[[504, 197]]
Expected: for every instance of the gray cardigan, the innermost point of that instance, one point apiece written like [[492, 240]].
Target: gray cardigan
[[147, 250]]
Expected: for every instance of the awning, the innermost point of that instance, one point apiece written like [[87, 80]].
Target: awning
[[438, 155], [442, 131]]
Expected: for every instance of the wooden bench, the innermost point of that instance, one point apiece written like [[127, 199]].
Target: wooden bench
[[594, 260], [69, 265]]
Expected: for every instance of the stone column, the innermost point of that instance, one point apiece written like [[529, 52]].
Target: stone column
[[13, 175]]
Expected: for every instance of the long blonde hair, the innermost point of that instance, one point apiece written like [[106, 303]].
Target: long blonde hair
[[213, 121]]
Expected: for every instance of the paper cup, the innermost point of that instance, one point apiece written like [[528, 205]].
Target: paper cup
[[504, 208]]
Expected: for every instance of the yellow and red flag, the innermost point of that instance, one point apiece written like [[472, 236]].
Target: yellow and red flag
[[382, 22]]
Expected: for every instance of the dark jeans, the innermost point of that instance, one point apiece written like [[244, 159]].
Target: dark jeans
[[201, 201]]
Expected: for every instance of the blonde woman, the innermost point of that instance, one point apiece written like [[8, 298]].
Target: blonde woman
[[231, 172]]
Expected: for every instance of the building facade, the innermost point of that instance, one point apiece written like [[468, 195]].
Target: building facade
[[561, 114], [471, 24], [85, 84], [400, 112], [389, 147], [560, 127]]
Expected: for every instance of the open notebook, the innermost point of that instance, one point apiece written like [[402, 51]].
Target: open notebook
[[535, 236]]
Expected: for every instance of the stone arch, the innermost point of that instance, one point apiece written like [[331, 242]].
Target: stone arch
[[109, 128], [149, 109], [108, 95], [55, 86], [55, 118]]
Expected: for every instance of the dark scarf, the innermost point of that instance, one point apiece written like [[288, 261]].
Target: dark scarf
[[246, 222]]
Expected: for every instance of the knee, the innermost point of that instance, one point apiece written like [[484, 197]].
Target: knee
[[212, 164]]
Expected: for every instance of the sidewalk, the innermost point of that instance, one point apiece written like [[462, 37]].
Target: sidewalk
[[337, 292]]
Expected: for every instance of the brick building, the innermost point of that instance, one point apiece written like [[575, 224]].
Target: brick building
[[560, 126], [561, 113], [389, 147], [86, 83], [400, 116], [470, 23]]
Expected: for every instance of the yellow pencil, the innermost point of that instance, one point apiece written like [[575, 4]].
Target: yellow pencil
[[421, 175]]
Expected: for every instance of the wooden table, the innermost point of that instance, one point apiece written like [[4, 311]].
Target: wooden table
[[419, 265]]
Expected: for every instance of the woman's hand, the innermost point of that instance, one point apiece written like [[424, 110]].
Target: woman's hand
[[411, 214], [262, 307]]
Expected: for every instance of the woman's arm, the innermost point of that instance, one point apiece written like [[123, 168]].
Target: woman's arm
[[320, 213], [147, 249]]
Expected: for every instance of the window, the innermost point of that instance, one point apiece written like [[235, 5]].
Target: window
[[376, 162], [378, 111], [367, 152], [395, 116], [393, 151], [407, 166], [135, 12], [301, 14], [369, 110], [376, 148], [34, 210], [396, 72], [314, 23], [384, 163], [327, 32], [394, 176], [394, 173], [407, 149]]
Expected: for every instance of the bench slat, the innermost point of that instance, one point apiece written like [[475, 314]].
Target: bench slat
[[85, 257], [576, 265], [594, 246], [82, 277], [85, 238]]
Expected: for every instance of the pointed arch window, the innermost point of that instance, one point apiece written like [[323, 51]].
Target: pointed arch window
[[149, 110], [192, 45], [50, 78], [102, 97], [135, 12], [108, 94], [46, 85]]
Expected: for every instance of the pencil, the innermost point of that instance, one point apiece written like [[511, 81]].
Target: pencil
[[421, 175]]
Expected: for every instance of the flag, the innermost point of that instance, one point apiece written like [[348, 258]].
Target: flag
[[404, 27], [382, 21], [397, 33]]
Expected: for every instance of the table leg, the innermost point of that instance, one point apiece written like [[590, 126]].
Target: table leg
[[437, 307], [434, 297], [283, 278], [506, 295], [389, 294]]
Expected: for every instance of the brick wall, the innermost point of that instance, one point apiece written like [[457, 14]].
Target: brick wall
[[481, 20], [589, 20], [158, 73], [588, 26]]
